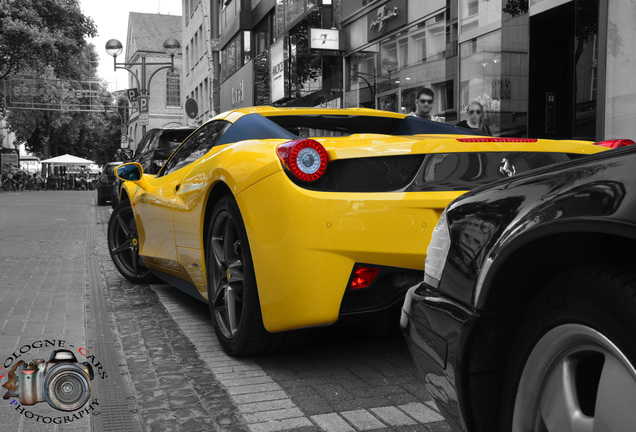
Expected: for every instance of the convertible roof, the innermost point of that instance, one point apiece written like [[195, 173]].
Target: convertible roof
[[279, 123]]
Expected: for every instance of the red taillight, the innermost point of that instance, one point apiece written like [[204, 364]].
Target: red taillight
[[305, 158], [363, 277], [496, 139], [615, 143]]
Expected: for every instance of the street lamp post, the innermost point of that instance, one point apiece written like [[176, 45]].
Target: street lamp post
[[170, 46]]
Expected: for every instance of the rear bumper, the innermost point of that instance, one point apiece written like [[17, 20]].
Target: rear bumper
[[305, 244], [436, 330]]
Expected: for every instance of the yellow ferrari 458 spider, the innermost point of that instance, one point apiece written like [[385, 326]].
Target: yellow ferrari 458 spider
[[287, 218]]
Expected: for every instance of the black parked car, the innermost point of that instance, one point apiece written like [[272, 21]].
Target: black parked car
[[526, 319], [153, 150], [105, 182]]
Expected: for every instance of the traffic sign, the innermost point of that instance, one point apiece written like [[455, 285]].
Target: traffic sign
[[143, 119], [124, 141], [144, 103], [133, 94], [192, 108]]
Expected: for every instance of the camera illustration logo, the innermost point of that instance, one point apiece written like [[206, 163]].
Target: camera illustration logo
[[63, 382]]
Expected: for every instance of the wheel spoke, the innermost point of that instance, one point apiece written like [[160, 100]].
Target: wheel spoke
[[559, 404], [228, 240], [124, 226], [230, 307], [616, 394], [135, 263], [217, 251], [122, 248]]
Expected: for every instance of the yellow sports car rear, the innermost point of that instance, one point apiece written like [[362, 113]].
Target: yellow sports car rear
[[286, 218]]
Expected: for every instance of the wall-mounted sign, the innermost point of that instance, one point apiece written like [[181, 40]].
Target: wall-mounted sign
[[238, 90], [324, 39], [386, 18], [278, 70]]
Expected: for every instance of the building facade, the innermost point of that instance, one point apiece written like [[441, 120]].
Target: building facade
[[541, 68], [146, 33], [198, 63]]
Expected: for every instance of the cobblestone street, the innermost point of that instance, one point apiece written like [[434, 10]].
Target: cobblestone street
[[165, 369]]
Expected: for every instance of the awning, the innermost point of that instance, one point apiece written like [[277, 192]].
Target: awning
[[66, 160]]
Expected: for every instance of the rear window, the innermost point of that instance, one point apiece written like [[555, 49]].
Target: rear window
[[170, 140], [465, 171], [304, 126]]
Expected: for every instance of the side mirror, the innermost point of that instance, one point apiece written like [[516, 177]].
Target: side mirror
[[129, 171]]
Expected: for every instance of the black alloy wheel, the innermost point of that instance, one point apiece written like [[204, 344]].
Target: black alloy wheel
[[232, 291], [227, 275], [123, 244]]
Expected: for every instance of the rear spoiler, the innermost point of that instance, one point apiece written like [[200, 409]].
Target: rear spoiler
[[615, 143]]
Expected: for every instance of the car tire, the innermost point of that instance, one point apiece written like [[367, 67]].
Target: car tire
[[123, 245], [101, 200], [232, 291], [114, 196], [573, 360]]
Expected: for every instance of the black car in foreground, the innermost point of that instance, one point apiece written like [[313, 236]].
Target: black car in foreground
[[526, 319], [153, 150], [104, 185]]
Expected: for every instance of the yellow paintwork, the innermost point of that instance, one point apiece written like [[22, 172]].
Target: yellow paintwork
[[304, 243]]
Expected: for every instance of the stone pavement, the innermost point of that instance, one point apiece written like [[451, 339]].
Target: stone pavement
[[166, 370], [43, 274]]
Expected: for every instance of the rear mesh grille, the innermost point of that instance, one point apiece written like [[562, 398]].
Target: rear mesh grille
[[385, 292], [372, 174]]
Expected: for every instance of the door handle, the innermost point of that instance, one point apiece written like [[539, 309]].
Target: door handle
[[176, 188]]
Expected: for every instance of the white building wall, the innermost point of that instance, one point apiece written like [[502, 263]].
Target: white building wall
[[197, 59]]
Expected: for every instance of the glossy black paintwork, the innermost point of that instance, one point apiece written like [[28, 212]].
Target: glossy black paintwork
[[433, 333], [487, 225], [595, 194]]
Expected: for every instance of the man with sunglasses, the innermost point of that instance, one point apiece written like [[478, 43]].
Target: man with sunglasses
[[424, 106]]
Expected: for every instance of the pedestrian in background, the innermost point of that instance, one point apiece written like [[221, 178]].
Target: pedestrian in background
[[424, 105], [475, 120]]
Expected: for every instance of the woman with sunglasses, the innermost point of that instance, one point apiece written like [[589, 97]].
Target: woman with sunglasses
[[475, 120]]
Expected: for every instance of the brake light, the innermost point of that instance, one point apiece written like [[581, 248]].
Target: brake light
[[615, 143], [496, 139], [364, 277], [305, 158]]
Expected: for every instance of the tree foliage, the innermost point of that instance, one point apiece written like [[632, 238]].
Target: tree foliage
[[35, 34], [92, 135]]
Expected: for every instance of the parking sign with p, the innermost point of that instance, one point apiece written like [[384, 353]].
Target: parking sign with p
[[143, 104]]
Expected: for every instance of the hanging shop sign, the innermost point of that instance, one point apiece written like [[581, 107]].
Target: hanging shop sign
[[324, 39], [386, 18], [278, 69]]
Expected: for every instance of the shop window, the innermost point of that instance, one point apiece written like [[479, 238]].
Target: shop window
[[235, 54], [289, 11], [480, 68], [173, 89]]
